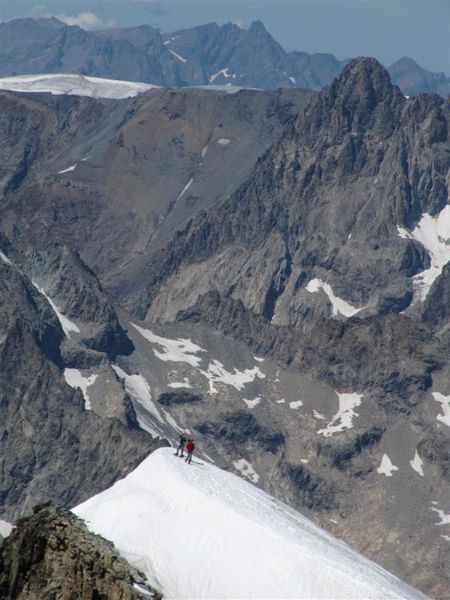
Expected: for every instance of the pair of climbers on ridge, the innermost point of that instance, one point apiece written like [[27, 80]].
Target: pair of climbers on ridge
[[181, 446], [189, 446]]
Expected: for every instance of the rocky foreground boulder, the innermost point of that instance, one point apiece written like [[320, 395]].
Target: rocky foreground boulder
[[52, 555]]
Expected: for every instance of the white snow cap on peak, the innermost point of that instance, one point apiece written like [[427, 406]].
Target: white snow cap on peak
[[200, 532]]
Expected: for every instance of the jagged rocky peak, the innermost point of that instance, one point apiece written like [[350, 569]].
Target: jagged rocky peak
[[361, 98], [52, 555]]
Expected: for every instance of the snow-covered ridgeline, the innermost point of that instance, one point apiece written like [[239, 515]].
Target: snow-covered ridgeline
[[75, 85], [76, 379], [170, 520], [434, 235], [339, 306]]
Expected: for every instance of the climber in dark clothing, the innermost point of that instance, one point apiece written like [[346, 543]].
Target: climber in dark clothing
[[190, 447], [181, 446]]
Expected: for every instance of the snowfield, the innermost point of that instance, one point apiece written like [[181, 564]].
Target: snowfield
[[200, 532], [75, 85]]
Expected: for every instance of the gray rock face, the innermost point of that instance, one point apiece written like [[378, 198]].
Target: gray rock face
[[324, 204], [52, 555], [203, 55], [170, 153], [413, 79], [293, 242], [63, 276], [52, 447]]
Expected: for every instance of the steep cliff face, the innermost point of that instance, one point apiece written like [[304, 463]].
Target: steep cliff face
[[153, 162], [317, 231], [52, 555], [53, 447]]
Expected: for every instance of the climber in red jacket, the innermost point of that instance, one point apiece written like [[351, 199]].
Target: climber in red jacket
[[190, 447]]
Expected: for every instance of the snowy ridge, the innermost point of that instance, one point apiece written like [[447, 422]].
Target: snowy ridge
[[170, 520], [75, 85]]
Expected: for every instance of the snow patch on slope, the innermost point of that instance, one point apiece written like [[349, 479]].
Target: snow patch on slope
[[223, 72], [339, 306], [417, 463], [68, 170], [5, 528], [138, 388], [246, 469], [179, 384], [434, 235], [183, 60], [386, 467], [444, 401], [343, 419], [185, 189], [169, 519], [5, 259], [179, 350], [224, 141], [75, 379], [67, 325], [444, 518], [252, 403], [295, 404], [217, 373], [75, 85]]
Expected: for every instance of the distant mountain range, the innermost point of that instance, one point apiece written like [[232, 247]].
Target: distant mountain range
[[205, 55]]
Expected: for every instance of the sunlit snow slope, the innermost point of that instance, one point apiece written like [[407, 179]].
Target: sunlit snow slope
[[200, 532], [75, 85]]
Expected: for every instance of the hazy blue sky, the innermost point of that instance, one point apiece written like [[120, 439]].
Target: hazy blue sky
[[386, 29]]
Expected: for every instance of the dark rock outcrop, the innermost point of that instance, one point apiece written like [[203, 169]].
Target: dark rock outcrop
[[52, 555], [176, 398]]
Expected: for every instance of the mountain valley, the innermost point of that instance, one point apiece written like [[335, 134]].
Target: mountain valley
[[266, 271]]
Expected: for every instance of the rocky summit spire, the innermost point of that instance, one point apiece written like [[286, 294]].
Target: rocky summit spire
[[362, 98]]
